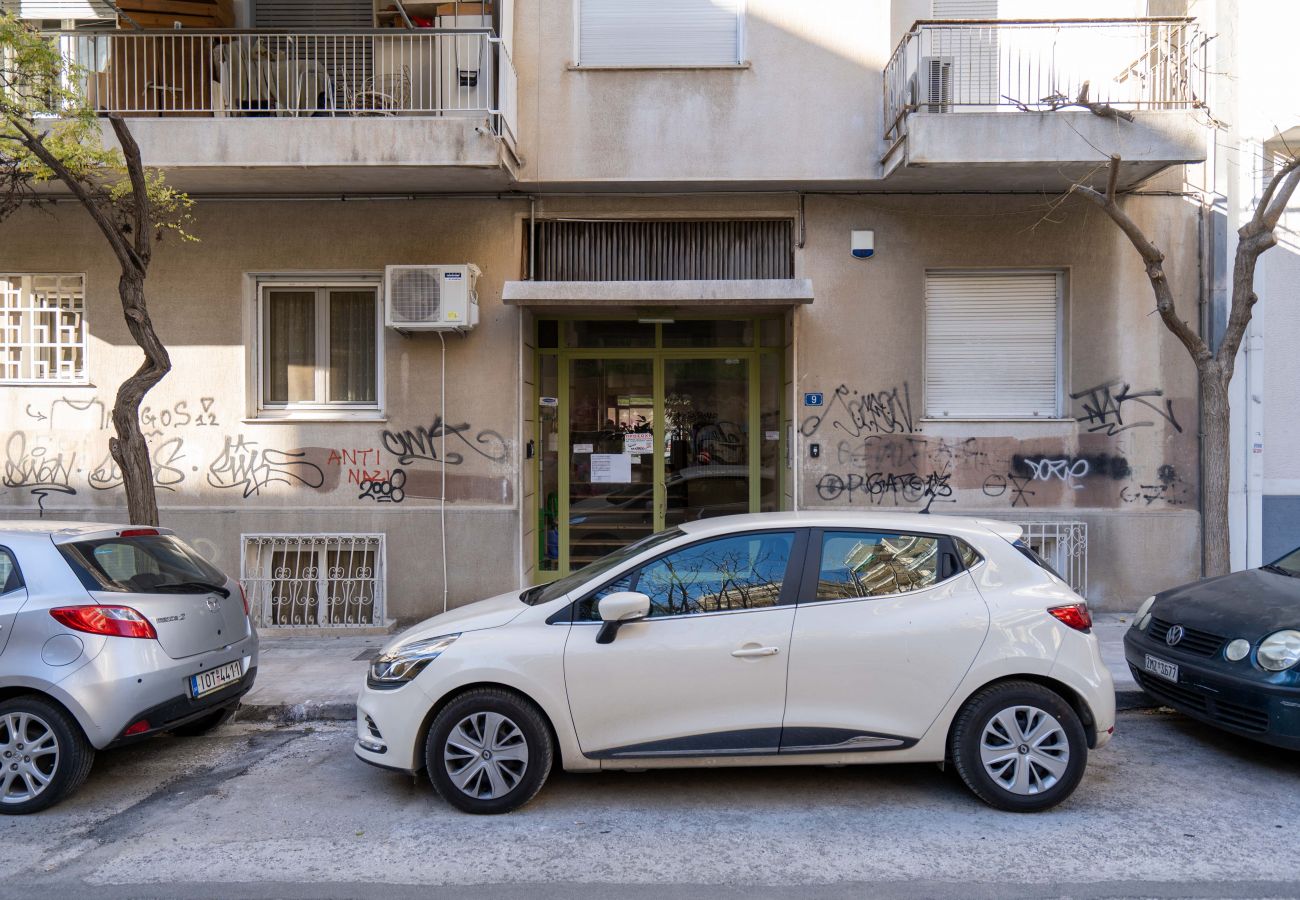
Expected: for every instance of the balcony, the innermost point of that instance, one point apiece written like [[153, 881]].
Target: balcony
[[992, 105], [380, 110]]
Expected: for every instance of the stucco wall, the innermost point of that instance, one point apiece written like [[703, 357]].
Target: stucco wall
[[221, 473], [1135, 486]]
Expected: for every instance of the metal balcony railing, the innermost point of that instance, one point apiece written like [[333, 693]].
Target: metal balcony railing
[[955, 66], [379, 72]]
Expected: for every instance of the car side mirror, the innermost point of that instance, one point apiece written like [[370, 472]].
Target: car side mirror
[[618, 609]]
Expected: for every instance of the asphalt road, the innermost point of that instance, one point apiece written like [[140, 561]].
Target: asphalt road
[[1170, 809]]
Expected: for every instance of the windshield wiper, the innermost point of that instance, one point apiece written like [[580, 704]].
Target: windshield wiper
[[186, 586], [1274, 567]]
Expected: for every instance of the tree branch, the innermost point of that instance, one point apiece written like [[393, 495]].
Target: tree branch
[[1278, 194], [125, 254], [139, 187], [1152, 257]]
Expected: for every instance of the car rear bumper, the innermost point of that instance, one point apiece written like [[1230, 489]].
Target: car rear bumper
[[1266, 713], [133, 679]]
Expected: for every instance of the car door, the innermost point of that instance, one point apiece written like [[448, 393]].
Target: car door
[[13, 594], [886, 627], [704, 673]]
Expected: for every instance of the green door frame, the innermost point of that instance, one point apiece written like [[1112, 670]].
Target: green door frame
[[657, 355]]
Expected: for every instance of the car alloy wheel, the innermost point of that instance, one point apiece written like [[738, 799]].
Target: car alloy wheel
[[29, 753], [489, 751], [1025, 750], [486, 755], [44, 754], [1019, 746]]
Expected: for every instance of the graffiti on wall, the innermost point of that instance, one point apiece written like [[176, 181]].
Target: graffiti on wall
[[250, 467], [424, 442], [879, 458]]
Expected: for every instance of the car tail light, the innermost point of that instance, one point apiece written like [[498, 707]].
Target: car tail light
[[138, 728], [243, 595], [115, 621], [139, 532], [1075, 615]]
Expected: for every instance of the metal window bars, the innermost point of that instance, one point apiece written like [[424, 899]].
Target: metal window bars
[[314, 580], [1025, 65], [1064, 545], [42, 328], [228, 73]]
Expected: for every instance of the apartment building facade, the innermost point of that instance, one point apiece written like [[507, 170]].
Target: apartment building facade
[[727, 256]]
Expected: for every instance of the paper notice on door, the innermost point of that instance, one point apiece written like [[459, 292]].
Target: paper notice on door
[[582, 448], [638, 443], [771, 435], [611, 468]]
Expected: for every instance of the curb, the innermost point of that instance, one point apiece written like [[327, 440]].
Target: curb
[[295, 713], [1134, 698]]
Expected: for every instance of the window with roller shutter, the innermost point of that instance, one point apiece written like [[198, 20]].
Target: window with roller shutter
[[993, 344], [659, 33]]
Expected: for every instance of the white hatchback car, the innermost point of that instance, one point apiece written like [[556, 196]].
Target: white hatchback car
[[771, 639]]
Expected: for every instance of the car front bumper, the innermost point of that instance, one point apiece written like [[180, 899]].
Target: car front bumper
[[1262, 712], [390, 725]]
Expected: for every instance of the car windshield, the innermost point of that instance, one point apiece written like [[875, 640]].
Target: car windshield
[[143, 564], [1287, 565], [544, 593]]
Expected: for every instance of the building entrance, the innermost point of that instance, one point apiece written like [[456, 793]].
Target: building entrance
[[645, 425]]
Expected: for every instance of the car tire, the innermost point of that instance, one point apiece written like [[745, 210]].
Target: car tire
[[488, 751], [202, 726], [43, 726], [1019, 746]]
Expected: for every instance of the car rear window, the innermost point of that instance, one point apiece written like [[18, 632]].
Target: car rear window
[[1031, 554], [145, 564]]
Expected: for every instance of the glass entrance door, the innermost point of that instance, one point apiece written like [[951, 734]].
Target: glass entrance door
[[650, 431]]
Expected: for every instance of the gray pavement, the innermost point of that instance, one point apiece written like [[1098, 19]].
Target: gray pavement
[[1169, 809], [317, 678]]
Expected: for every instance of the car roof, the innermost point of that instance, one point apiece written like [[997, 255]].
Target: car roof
[[28, 529], [962, 526]]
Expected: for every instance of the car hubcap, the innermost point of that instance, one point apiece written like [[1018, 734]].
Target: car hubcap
[[29, 754], [485, 755], [1024, 749]]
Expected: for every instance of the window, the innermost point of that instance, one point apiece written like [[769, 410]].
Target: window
[[10, 578], [993, 345], [320, 348], [970, 557], [314, 580], [42, 329], [147, 564], [857, 564], [721, 575], [660, 33]]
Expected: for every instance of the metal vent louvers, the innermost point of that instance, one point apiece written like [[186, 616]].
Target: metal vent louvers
[[415, 295]]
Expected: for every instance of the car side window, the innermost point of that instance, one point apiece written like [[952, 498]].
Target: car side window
[[858, 564], [744, 571], [970, 557], [10, 578]]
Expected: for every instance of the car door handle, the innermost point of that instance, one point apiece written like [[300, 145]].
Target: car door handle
[[749, 652]]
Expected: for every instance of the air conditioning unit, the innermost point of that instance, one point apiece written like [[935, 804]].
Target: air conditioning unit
[[431, 298], [931, 87]]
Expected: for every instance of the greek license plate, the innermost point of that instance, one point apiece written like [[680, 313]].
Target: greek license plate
[[1158, 667], [215, 679]]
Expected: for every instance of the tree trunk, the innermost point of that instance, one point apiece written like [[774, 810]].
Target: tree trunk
[[1215, 466], [129, 448]]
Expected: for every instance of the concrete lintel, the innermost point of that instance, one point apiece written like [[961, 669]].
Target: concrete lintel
[[738, 292]]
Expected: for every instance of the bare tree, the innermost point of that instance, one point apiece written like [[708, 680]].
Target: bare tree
[[1214, 367], [48, 134]]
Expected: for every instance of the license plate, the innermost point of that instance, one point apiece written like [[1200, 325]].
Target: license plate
[[215, 679], [1158, 667]]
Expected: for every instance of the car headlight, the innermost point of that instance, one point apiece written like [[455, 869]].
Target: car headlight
[[402, 663], [1143, 617], [1280, 650]]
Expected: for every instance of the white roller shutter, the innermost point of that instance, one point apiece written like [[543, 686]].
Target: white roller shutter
[[965, 9], [992, 345], [659, 32]]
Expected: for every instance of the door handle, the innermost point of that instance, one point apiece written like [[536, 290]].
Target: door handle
[[751, 652]]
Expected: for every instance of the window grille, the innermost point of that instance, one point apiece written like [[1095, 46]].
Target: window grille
[[42, 328], [314, 580], [1062, 544]]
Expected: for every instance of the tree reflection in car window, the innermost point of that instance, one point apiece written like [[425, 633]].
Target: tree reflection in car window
[[857, 564], [733, 573]]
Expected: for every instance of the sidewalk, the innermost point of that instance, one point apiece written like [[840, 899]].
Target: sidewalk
[[317, 678]]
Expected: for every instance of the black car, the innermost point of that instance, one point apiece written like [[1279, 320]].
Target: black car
[[1226, 651]]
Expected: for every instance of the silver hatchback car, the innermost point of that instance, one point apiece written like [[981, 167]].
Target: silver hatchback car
[[108, 634]]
